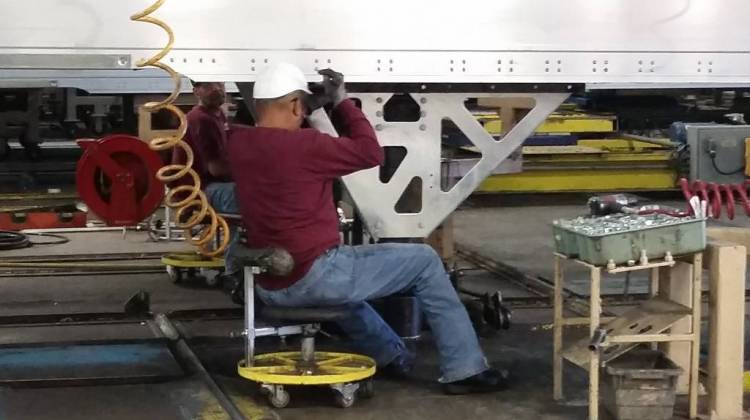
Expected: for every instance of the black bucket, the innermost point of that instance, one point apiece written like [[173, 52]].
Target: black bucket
[[402, 313]]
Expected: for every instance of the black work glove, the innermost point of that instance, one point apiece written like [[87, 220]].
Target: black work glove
[[333, 86]]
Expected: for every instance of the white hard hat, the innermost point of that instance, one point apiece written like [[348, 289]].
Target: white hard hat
[[279, 79]]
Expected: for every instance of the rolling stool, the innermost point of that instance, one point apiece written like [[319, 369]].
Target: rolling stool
[[347, 374]]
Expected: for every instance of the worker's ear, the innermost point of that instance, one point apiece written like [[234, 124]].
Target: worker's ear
[[298, 107]]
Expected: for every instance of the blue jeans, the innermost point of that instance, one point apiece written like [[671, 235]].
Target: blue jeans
[[349, 275], [221, 196]]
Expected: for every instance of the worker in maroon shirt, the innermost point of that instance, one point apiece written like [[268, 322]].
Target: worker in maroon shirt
[[284, 175], [206, 134]]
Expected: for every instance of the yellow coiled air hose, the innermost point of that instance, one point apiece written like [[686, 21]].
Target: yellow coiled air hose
[[195, 201]]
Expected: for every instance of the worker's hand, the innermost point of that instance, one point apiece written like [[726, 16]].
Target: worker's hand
[[333, 83]]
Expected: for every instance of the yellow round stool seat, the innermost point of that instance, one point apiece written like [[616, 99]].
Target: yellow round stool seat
[[288, 368]]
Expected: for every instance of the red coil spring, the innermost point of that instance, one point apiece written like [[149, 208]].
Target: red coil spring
[[716, 195]]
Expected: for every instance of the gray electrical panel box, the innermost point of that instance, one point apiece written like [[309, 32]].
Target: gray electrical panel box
[[717, 152]]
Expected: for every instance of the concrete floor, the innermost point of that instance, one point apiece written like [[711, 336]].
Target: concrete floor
[[525, 349]]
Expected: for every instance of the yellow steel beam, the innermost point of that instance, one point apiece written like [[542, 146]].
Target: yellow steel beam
[[619, 144], [557, 123], [570, 180], [634, 159]]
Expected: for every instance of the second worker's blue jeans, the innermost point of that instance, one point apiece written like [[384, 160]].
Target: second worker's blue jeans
[[221, 196], [348, 275]]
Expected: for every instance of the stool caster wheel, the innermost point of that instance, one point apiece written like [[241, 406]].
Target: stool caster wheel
[[279, 400], [277, 396], [345, 394], [175, 274], [344, 401], [366, 389], [212, 279]]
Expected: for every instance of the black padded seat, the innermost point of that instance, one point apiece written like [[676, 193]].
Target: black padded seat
[[275, 261], [311, 314]]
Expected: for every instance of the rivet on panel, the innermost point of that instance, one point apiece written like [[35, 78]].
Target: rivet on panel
[[379, 100], [422, 127], [379, 127], [423, 100]]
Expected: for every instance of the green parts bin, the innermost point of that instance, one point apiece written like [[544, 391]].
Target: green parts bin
[[576, 238]]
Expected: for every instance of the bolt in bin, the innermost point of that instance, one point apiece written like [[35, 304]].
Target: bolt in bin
[[640, 385]]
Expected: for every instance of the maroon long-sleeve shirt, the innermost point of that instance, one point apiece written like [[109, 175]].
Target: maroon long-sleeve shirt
[[206, 134], [284, 185]]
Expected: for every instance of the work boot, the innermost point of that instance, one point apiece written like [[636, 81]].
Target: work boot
[[401, 366], [491, 380]]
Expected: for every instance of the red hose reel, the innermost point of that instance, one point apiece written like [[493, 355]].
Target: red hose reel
[[116, 178]]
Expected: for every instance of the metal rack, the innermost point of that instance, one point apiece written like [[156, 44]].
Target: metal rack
[[610, 337]]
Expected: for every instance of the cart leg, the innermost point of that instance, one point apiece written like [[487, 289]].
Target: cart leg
[[653, 291], [557, 362], [696, 331], [595, 304]]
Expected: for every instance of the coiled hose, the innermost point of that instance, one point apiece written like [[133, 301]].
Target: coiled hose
[[716, 195], [13, 240], [194, 203]]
